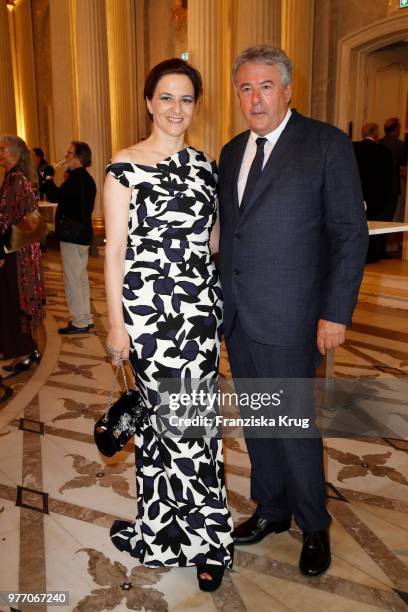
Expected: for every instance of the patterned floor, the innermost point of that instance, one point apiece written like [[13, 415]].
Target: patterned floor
[[58, 496]]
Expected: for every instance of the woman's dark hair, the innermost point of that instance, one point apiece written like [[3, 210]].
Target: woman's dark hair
[[38, 152], [83, 152], [172, 66]]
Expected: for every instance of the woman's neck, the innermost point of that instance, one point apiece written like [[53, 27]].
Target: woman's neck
[[165, 144]]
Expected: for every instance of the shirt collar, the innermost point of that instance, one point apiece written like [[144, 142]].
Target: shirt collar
[[274, 135]]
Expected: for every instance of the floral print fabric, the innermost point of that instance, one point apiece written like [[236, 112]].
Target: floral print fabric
[[17, 199], [172, 305]]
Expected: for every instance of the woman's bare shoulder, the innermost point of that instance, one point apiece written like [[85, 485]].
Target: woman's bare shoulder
[[133, 154]]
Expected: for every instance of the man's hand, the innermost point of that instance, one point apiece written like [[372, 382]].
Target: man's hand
[[330, 335], [2, 262]]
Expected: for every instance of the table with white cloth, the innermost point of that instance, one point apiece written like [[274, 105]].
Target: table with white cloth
[[375, 228], [47, 210]]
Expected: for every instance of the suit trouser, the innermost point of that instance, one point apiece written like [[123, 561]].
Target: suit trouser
[[287, 474], [74, 265]]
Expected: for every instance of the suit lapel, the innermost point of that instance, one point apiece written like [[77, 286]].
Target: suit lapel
[[281, 153]]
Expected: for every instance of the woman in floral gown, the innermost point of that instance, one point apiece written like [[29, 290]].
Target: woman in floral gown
[[165, 313]]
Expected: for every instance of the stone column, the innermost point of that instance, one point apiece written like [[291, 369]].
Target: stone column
[[22, 48], [256, 22], [217, 31], [43, 70], [297, 41], [80, 79], [322, 63], [64, 124], [7, 104], [123, 90], [206, 47], [161, 30], [142, 66], [92, 80]]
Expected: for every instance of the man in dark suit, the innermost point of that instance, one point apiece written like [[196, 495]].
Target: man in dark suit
[[398, 150], [292, 252], [375, 167]]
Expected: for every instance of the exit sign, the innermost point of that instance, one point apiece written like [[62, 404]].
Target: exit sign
[[403, 3]]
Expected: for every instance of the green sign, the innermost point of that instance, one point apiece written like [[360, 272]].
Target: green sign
[[403, 3]]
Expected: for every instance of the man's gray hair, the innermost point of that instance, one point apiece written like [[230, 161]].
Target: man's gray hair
[[265, 54]]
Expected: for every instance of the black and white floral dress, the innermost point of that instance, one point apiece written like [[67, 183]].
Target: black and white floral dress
[[172, 305]]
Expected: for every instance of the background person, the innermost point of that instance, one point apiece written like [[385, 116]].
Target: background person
[[40, 163], [375, 167], [73, 227], [21, 284], [398, 149]]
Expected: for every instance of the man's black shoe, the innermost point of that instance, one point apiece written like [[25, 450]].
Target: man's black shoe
[[315, 558], [256, 528], [71, 329]]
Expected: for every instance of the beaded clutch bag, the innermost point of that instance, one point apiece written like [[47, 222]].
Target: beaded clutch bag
[[121, 419]]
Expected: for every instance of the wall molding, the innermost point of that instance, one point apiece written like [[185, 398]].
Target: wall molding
[[352, 51]]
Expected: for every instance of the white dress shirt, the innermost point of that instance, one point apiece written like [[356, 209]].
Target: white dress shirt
[[250, 151]]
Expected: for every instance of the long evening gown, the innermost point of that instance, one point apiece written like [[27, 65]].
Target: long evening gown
[[22, 294], [172, 304]]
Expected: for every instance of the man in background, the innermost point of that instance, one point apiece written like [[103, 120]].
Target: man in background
[[73, 227], [398, 149], [375, 168]]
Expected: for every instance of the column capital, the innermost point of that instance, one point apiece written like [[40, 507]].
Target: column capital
[[7, 103]]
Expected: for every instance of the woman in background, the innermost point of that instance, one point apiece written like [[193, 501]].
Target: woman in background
[[40, 163], [21, 285]]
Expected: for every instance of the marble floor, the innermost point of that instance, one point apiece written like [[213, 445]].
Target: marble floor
[[59, 496]]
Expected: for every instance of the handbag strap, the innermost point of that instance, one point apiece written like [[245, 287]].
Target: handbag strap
[[115, 386]]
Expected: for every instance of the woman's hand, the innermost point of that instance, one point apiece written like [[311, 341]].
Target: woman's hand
[[117, 345]]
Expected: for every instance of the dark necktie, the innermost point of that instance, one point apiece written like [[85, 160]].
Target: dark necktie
[[255, 172]]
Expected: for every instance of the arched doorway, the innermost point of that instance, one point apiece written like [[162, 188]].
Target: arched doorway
[[351, 75], [356, 53]]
